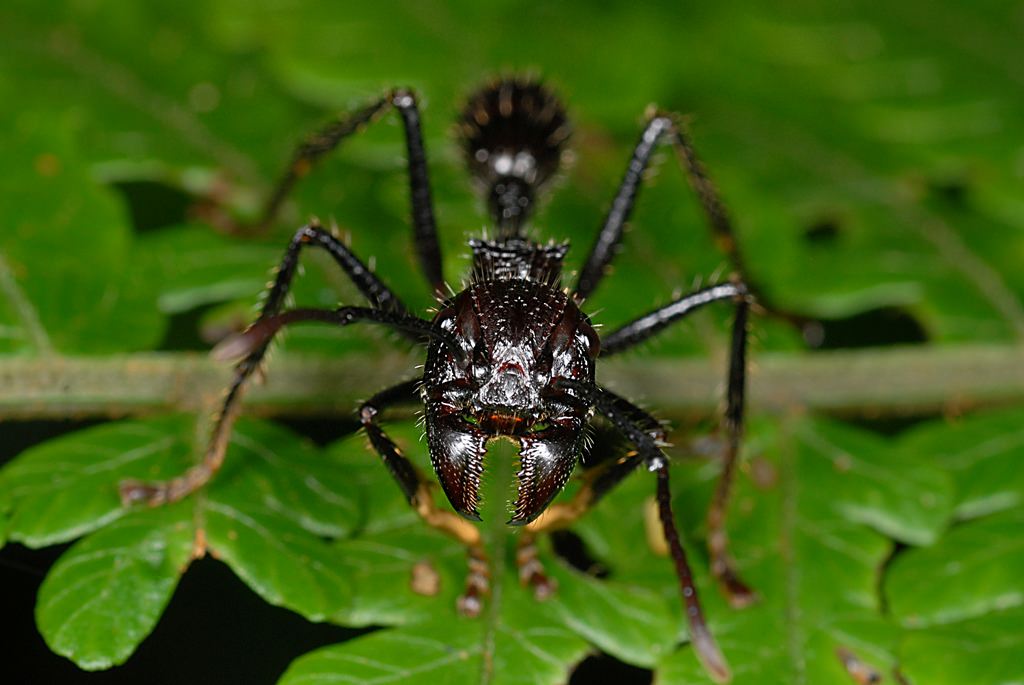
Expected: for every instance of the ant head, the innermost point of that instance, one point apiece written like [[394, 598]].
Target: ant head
[[520, 339]]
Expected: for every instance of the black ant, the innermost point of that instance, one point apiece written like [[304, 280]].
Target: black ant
[[512, 354]]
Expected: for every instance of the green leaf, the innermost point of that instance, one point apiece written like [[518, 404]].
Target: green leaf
[[148, 110], [802, 534], [107, 592], [876, 488], [628, 621], [66, 488], [67, 280], [960, 598], [196, 267], [975, 569], [521, 649], [983, 650], [982, 454], [264, 515]]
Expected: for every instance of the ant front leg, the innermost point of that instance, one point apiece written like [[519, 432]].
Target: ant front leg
[[372, 288], [252, 345], [328, 138], [379, 295], [635, 423], [598, 481], [629, 335], [417, 491]]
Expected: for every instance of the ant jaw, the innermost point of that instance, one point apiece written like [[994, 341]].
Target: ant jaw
[[457, 450], [546, 459]]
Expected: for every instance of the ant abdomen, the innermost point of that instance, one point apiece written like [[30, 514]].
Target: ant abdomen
[[513, 133]]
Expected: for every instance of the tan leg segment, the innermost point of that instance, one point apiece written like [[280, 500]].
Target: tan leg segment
[[531, 570], [478, 579], [723, 567]]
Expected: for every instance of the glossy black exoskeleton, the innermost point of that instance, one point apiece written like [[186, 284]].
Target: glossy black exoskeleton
[[512, 354], [521, 334]]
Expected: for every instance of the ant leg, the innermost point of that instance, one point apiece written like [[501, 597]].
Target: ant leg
[[600, 479], [703, 643], [722, 565], [261, 332], [710, 201], [606, 244], [623, 415], [417, 491], [313, 235], [531, 570], [326, 139], [400, 468], [660, 126], [635, 332], [610, 235], [720, 224], [251, 345], [386, 303]]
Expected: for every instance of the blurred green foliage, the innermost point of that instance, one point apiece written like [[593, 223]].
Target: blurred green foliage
[[871, 157]]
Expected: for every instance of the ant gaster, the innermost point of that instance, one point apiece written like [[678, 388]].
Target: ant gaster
[[512, 354]]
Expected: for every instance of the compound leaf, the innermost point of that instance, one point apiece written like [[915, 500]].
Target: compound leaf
[[813, 558], [107, 592], [265, 516]]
